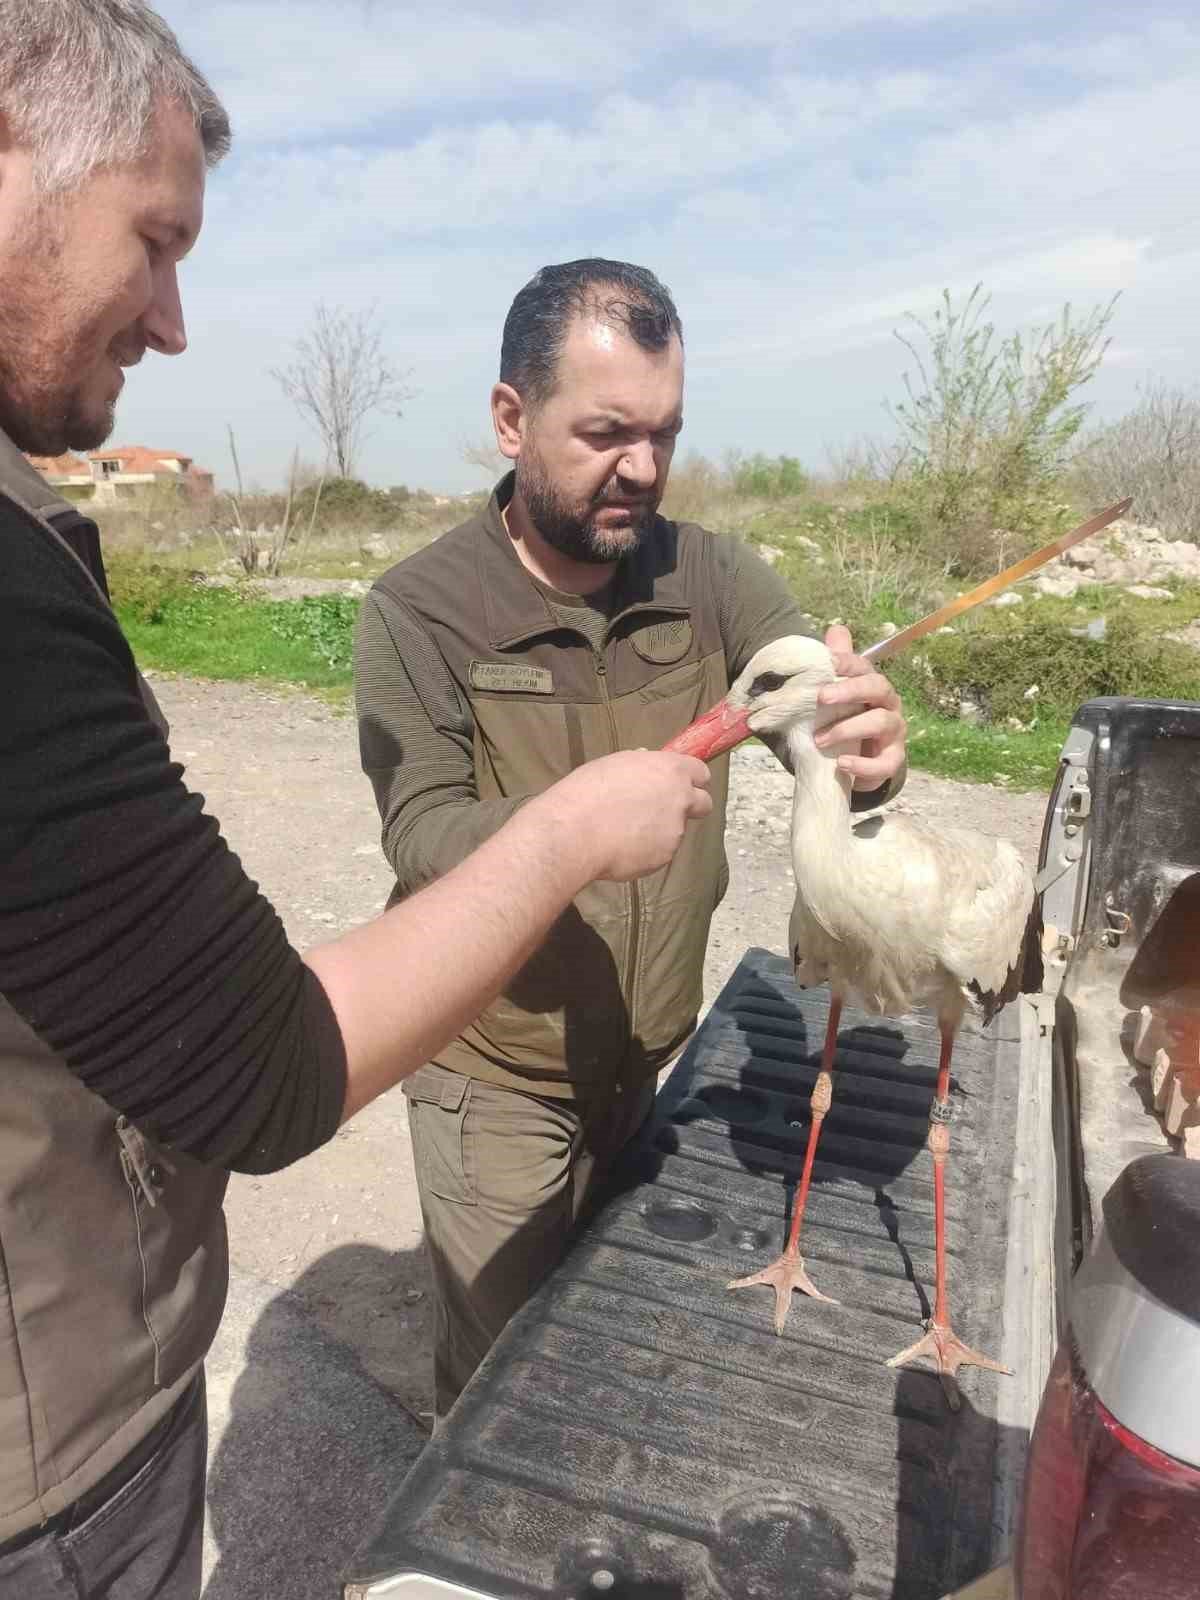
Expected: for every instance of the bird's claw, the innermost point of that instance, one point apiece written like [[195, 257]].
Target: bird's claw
[[943, 1346], [784, 1276]]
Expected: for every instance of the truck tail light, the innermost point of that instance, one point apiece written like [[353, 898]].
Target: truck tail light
[[1106, 1516]]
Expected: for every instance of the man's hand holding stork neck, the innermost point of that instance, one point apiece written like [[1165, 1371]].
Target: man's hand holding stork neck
[[870, 738], [398, 999]]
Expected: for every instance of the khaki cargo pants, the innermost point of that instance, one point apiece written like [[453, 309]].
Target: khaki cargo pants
[[502, 1176]]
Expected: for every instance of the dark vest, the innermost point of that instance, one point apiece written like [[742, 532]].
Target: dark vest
[[113, 1259]]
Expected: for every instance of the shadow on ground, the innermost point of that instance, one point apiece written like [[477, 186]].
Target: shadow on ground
[[308, 1448]]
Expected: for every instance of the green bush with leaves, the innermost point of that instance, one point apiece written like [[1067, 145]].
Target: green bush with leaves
[[346, 502], [768, 477], [1047, 669], [146, 589], [988, 425]]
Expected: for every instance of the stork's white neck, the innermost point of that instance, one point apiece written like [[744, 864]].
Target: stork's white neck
[[820, 809]]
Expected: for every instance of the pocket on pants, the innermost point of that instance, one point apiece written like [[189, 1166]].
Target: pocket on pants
[[443, 1151]]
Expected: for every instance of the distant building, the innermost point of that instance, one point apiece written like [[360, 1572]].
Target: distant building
[[126, 470]]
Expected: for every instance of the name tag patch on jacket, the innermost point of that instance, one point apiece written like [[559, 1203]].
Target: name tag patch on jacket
[[513, 676]]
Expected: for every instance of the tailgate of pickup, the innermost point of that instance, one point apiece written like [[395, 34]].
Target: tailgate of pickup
[[638, 1431]]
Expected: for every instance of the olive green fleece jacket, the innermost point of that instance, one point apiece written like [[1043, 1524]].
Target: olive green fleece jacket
[[474, 692]]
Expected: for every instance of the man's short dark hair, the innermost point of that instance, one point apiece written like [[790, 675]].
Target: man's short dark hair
[[630, 298]]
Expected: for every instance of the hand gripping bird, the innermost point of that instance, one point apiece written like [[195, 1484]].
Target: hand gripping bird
[[889, 911]]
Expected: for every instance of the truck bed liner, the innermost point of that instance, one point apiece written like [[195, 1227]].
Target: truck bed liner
[[641, 1433]]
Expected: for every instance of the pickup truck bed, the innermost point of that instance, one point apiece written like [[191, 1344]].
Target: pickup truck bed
[[641, 1433]]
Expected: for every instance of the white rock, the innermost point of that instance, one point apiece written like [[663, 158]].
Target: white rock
[[770, 553], [1062, 586], [1124, 553], [889, 630], [376, 548], [1147, 591], [806, 543], [1009, 599], [969, 711]]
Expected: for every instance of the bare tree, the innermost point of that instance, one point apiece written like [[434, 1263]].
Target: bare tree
[[1152, 453], [482, 453], [339, 375]]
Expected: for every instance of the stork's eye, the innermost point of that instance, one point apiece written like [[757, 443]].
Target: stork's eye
[[766, 681]]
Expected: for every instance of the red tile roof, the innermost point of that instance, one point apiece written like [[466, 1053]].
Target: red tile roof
[[136, 458], [63, 466]]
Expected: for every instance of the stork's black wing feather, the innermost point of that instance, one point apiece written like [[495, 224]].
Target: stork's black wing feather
[[1027, 972]]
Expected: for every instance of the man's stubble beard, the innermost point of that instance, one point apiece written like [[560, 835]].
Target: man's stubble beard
[[41, 406], [572, 529]]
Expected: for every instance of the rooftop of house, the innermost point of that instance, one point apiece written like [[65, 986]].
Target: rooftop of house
[[137, 458], [134, 459], [64, 466]]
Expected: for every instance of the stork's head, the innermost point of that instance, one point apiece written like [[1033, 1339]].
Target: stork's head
[[777, 690]]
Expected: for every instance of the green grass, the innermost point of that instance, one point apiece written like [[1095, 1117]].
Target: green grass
[[974, 754], [993, 658], [217, 633]]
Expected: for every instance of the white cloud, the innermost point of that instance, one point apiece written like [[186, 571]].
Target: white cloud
[[801, 176], [320, 71], [631, 153], [296, 71]]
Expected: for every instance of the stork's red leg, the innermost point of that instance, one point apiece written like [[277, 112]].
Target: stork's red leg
[[940, 1343], [787, 1273]]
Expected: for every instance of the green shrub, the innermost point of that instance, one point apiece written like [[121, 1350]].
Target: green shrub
[[146, 589], [768, 477], [347, 502], [997, 665], [988, 426]]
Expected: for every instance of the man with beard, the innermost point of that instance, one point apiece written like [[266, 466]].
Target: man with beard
[[156, 1028], [568, 619]]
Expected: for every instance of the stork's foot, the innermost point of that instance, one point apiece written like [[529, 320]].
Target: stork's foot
[[943, 1347], [784, 1276]]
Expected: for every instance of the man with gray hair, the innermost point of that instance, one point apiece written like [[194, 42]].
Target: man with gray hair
[[156, 1028]]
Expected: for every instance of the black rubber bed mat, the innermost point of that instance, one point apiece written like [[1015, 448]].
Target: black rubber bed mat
[[641, 1433]]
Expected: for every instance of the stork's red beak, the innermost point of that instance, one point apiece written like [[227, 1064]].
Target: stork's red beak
[[712, 734]]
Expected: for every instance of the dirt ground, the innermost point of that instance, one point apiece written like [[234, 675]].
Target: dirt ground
[[281, 772]]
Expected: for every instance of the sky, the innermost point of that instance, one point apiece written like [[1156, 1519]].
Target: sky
[[802, 178]]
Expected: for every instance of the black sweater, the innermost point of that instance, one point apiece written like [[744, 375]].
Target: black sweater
[[131, 939]]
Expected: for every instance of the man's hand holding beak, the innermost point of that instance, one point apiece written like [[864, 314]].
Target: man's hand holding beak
[[871, 738]]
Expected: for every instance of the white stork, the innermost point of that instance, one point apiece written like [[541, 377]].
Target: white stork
[[890, 911]]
